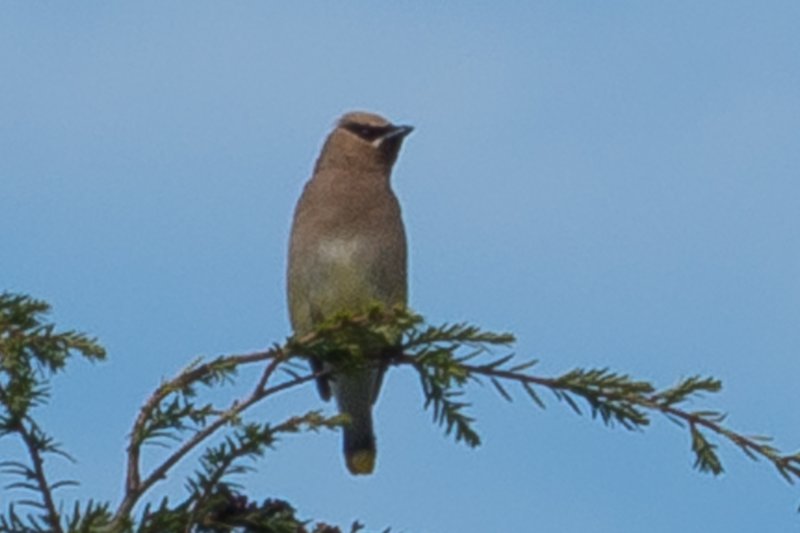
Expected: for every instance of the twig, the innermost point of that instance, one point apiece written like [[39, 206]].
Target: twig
[[53, 517], [785, 464], [136, 487], [133, 479]]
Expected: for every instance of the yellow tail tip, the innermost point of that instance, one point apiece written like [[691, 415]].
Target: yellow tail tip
[[361, 462]]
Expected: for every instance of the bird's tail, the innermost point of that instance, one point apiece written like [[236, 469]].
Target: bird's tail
[[359, 448], [354, 393]]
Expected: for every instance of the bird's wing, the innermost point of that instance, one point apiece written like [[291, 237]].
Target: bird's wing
[[323, 383]]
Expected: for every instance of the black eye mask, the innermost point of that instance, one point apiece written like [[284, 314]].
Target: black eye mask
[[368, 133]]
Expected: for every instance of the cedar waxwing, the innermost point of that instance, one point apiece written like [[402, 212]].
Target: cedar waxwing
[[347, 251]]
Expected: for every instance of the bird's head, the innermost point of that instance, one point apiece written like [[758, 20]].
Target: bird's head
[[363, 140]]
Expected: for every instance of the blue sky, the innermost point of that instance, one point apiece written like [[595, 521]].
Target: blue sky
[[615, 182]]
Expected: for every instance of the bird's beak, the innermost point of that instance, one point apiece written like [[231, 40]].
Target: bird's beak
[[399, 131], [396, 133]]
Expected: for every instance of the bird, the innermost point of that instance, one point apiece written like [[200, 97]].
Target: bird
[[347, 252]]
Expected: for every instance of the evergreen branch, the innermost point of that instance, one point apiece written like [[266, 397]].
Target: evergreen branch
[[446, 358], [31, 352], [32, 444], [618, 398], [249, 441], [206, 373], [615, 398], [93, 517], [135, 486]]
